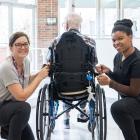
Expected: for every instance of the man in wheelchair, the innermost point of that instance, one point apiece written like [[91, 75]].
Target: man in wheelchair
[[72, 56]]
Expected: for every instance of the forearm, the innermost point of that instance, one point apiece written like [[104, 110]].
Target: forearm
[[118, 87], [21, 94], [32, 77], [132, 90], [28, 91]]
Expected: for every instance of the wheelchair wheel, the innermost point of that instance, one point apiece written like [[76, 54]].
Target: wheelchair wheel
[[91, 128], [42, 115], [104, 115], [99, 128]]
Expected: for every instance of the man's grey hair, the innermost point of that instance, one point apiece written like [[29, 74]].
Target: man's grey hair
[[73, 20]]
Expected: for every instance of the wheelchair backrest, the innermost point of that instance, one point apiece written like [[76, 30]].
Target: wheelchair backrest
[[71, 63]]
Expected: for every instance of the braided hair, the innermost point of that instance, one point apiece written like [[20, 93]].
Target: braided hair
[[124, 25]]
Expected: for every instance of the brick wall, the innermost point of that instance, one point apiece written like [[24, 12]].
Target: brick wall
[[46, 33]]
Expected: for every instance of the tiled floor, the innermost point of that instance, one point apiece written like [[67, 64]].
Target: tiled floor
[[78, 130]]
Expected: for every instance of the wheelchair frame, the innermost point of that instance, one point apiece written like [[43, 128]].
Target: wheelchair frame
[[47, 107]]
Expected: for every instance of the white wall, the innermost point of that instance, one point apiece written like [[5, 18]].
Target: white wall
[[106, 53]]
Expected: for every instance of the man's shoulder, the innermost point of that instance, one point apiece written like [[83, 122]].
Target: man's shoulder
[[88, 40], [54, 42], [88, 37]]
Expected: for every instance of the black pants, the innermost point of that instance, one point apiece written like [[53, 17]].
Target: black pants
[[15, 115], [126, 113]]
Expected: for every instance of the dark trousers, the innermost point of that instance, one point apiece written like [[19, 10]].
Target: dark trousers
[[126, 113], [14, 115]]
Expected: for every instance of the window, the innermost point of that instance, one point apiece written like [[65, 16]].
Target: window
[[27, 1], [3, 24], [87, 11], [25, 23], [98, 17], [3, 31], [89, 20], [15, 17], [132, 11], [109, 16]]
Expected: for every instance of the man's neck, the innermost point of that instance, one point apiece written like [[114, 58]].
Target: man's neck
[[74, 29]]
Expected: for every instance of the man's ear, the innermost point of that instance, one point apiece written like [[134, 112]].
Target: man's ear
[[67, 26]]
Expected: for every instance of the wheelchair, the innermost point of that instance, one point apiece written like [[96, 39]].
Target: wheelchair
[[47, 110]]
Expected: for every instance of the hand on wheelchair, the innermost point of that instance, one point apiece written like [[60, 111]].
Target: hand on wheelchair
[[102, 69], [44, 72], [103, 79], [46, 65]]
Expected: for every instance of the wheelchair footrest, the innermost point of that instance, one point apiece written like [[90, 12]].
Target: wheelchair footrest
[[82, 120]]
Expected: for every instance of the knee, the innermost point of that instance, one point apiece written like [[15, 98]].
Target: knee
[[117, 108], [24, 109]]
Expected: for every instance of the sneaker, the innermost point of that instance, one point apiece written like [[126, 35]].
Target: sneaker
[[82, 118], [67, 124]]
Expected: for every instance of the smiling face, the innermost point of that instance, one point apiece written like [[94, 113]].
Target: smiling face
[[121, 41], [20, 47]]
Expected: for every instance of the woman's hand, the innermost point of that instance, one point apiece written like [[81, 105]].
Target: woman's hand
[[103, 79], [102, 69], [43, 73]]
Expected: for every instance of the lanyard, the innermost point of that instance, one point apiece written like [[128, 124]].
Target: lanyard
[[19, 75]]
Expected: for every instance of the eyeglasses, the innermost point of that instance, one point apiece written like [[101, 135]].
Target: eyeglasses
[[19, 45]]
